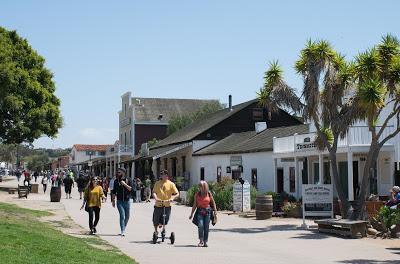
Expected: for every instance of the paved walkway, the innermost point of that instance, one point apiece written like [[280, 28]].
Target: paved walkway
[[232, 240]]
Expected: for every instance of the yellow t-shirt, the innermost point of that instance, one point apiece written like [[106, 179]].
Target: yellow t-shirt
[[93, 197], [164, 191]]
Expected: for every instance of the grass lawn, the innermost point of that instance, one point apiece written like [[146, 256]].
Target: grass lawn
[[24, 239]]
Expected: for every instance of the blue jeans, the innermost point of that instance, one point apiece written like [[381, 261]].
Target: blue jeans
[[123, 209], [203, 226]]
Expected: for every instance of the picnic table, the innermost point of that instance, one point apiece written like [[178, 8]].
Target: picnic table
[[344, 227]]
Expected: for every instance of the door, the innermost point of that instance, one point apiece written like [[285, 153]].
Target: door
[[202, 174], [254, 178], [279, 180], [343, 175]]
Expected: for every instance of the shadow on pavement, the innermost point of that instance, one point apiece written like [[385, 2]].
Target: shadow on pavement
[[369, 261], [141, 242], [186, 246], [99, 234], [312, 235], [394, 251], [258, 229]]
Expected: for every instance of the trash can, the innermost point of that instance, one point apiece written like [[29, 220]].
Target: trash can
[[35, 188]]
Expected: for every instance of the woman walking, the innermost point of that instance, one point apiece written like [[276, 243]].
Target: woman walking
[[202, 204], [92, 200]]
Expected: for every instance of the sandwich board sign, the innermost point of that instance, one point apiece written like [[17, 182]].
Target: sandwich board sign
[[317, 200], [241, 197]]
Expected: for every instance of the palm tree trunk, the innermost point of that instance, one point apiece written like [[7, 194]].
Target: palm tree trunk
[[359, 210]]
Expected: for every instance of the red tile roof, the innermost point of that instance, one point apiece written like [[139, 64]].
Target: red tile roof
[[81, 147]]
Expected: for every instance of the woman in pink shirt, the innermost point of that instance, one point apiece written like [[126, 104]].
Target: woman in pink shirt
[[202, 205]]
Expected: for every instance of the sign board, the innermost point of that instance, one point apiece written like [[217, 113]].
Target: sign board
[[90, 163], [241, 197], [246, 197], [317, 200], [236, 160]]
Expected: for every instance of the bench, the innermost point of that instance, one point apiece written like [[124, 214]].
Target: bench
[[11, 190], [23, 191], [344, 227]]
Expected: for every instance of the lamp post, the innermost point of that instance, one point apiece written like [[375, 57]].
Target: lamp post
[[90, 161]]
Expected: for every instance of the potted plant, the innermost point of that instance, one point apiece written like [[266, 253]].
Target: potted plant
[[292, 209]]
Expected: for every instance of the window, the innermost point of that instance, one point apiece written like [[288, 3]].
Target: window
[[125, 139], [254, 178], [130, 137], [219, 173], [90, 153], [292, 178], [202, 174], [101, 153]]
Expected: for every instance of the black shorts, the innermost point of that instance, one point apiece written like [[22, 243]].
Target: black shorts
[[158, 215]]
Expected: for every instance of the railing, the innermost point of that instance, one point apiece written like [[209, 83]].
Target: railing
[[357, 136]]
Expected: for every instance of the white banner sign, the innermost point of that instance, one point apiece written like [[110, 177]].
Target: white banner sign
[[241, 197], [317, 200]]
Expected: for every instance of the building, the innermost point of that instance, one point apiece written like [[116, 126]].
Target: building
[[60, 163], [175, 153], [84, 157], [297, 157], [247, 155], [144, 119]]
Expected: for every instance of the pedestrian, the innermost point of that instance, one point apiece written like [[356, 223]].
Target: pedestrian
[[164, 192], [44, 183], [122, 189], [68, 184], [35, 175], [147, 188], [18, 174], [81, 182], [138, 189], [105, 188], [205, 208], [92, 203]]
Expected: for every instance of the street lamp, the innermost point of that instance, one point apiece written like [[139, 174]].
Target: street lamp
[[90, 161]]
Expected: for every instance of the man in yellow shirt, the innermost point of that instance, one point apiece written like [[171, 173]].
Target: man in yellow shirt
[[164, 192]]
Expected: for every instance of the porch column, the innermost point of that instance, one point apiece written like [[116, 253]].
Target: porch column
[[296, 175], [274, 165], [350, 175], [133, 169], [320, 168]]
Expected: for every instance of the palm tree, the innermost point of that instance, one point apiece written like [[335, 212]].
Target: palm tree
[[327, 78], [378, 85]]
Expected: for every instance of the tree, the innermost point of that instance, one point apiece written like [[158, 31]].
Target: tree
[[326, 79], [28, 105], [37, 162], [337, 94], [7, 153], [377, 79], [178, 122]]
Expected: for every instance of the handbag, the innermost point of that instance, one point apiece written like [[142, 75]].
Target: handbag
[[194, 219], [213, 217]]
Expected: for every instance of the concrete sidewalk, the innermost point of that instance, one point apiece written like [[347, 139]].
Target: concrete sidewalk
[[232, 240]]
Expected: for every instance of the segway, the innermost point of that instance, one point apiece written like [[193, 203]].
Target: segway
[[163, 231]]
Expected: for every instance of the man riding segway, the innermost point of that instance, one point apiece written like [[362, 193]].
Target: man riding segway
[[164, 192]]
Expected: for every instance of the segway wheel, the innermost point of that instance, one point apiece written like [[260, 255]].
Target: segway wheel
[[155, 237], [172, 238]]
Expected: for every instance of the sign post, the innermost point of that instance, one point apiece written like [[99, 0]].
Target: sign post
[[317, 200]]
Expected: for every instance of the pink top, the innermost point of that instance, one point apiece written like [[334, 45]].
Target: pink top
[[203, 201]]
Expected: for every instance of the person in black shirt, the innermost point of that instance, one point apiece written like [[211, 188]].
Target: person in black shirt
[[122, 189]]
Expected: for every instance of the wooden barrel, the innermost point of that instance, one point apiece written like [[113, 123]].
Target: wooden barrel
[[264, 205], [55, 194]]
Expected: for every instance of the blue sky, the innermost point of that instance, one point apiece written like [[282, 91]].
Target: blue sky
[[98, 50]]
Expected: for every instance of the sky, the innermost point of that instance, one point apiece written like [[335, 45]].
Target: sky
[[208, 49]]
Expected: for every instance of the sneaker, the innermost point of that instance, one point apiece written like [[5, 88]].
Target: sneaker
[[122, 234], [91, 232], [205, 244], [94, 230]]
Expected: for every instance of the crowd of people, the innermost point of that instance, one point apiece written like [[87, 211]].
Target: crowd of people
[[122, 189]]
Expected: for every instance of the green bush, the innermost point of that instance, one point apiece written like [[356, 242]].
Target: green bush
[[389, 216], [222, 193]]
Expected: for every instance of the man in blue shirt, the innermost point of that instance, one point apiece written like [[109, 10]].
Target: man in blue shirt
[[394, 197]]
